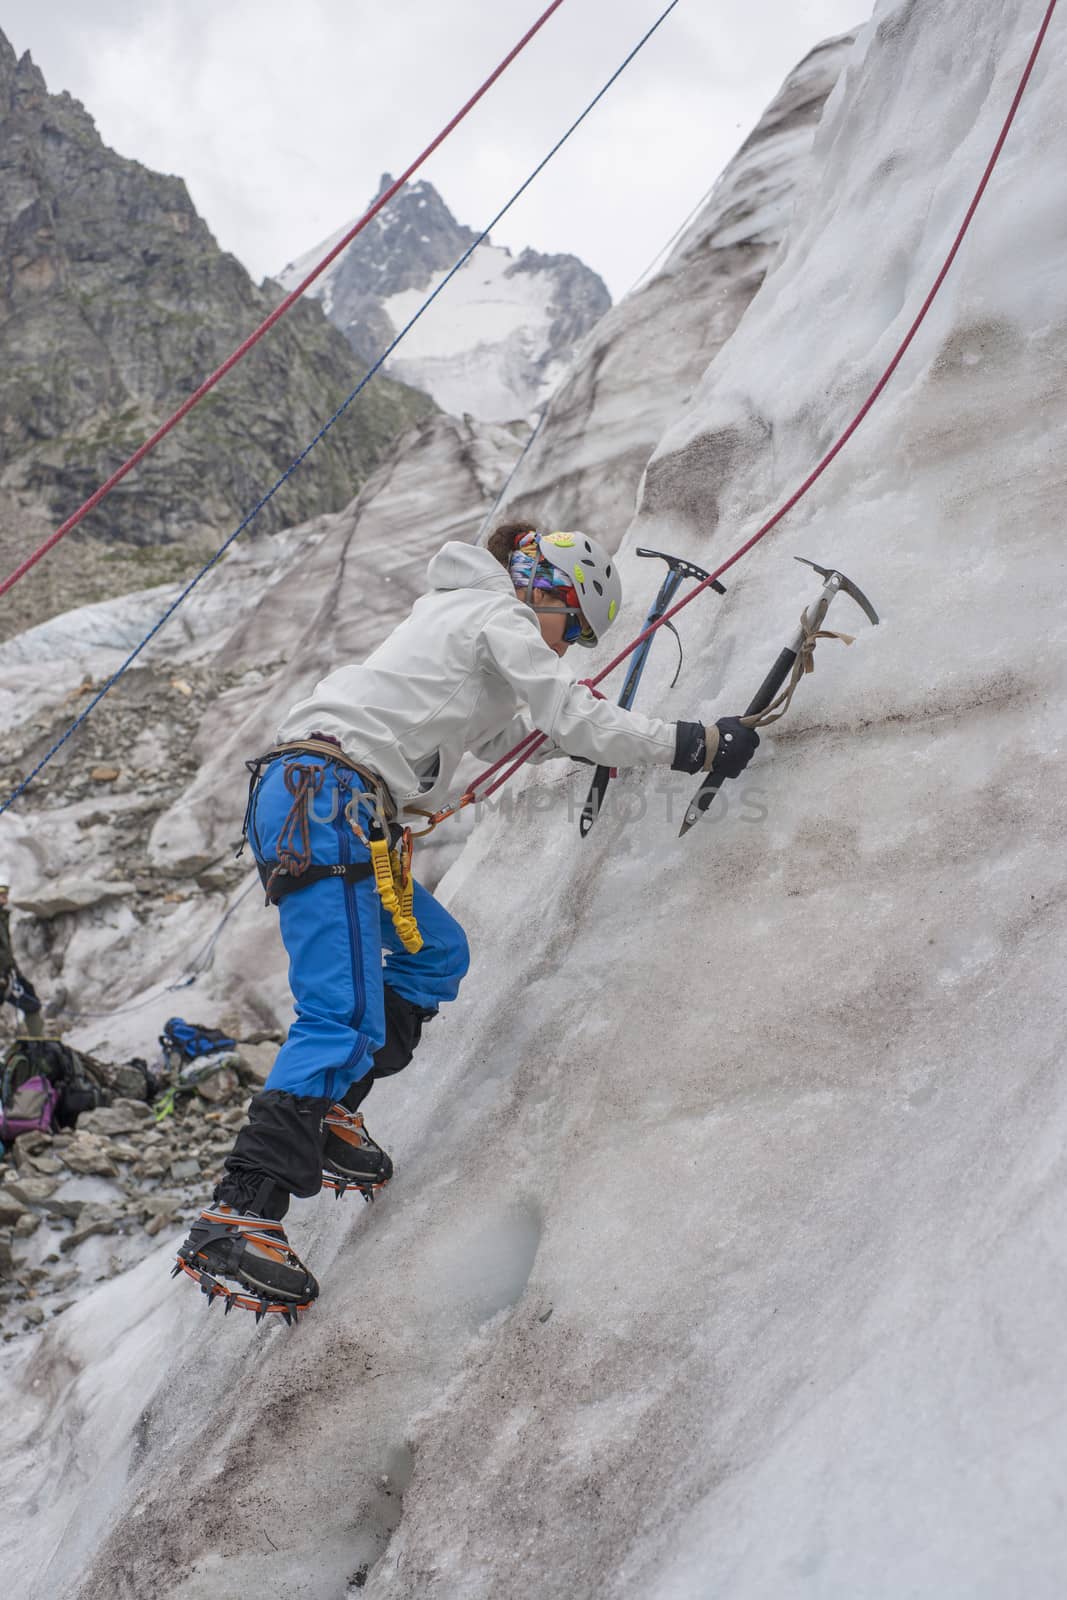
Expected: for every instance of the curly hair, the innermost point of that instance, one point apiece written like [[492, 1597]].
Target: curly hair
[[501, 542]]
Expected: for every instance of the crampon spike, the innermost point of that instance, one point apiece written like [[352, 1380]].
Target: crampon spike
[[175, 1269], [341, 1186], [260, 1304]]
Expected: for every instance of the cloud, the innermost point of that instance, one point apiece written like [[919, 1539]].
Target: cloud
[[282, 119]]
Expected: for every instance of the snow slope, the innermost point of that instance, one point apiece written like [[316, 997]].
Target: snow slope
[[726, 1252]]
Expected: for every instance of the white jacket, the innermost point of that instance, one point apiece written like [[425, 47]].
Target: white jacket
[[466, 670]]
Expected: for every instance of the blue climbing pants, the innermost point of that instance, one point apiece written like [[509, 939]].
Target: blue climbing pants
[[342, 946]]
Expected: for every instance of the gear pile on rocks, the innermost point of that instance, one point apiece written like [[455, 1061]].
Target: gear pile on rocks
[[81, 1206]]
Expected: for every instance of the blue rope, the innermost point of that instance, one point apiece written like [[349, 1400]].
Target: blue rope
[[287, 474], [491, 513]]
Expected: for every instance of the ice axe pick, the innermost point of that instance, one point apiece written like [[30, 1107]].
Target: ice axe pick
[[810, 622]]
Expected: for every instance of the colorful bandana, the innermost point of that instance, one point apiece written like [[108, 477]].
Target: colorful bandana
[[548, 577]]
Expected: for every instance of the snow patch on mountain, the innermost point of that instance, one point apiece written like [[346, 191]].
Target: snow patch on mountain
[[500, 342], [484, 351]]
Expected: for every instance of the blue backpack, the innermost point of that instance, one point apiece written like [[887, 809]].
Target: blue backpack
[[191, 1040]]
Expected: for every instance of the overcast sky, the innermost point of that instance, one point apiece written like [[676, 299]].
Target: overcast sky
[[281, 117]]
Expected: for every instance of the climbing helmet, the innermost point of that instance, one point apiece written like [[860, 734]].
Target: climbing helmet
[[594, 585]]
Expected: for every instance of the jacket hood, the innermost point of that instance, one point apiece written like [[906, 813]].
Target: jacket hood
[[467, 566]]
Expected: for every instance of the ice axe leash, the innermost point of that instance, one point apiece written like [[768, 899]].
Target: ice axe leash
[[771, 700], [676, 574]]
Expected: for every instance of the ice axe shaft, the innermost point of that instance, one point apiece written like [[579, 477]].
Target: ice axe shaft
[[676, 574], [811, 621]]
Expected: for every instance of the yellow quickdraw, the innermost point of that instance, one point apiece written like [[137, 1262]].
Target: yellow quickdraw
[[392, 877]]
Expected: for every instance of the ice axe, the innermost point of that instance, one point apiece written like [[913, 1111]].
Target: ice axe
[[795, 659], [676, 574]]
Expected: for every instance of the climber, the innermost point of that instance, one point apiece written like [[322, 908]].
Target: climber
[[14, 986], [476, 666]]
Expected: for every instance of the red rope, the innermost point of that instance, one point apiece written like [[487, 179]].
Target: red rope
[[532, 742], [278, 312]]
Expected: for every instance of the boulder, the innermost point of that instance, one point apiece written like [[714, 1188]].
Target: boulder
[[154, 1165], [73, 894], [10, 1209], [122, 1116], [32, 1144], [48, 1165], [256, 1060], [88, 1156], [122, 1152], [31, 1191], [156, 1225], [94, 1222], [219, 1086]]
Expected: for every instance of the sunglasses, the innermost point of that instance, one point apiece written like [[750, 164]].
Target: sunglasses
[[578, 631]]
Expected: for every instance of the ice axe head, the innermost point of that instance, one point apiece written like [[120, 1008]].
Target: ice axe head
[[687, 569], [845, 585]]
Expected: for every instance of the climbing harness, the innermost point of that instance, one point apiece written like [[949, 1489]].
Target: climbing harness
[[390, 863], [676, 574], [795, 660], [198, 577], [294, 838]]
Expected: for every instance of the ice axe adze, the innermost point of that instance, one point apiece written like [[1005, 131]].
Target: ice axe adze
[[676, 574], [802, 643]]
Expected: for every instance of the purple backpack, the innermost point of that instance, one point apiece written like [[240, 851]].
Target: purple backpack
[[31, 1108]]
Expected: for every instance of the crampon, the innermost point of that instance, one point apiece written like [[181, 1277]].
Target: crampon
[[271, 1280], [351, 1158]]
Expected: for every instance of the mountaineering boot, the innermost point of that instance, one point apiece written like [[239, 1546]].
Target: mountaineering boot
[[252, 1251], [350, 1157]]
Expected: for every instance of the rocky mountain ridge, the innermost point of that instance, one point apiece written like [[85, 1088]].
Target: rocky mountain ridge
[[115, 303]]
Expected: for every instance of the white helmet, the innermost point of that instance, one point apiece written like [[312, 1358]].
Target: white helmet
[[593, 574]]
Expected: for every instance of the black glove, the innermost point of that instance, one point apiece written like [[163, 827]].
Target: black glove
[[737, 746], [731, 745]]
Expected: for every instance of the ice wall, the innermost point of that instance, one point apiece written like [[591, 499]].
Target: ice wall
[[725, 1255], [639, 366]]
